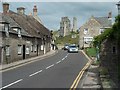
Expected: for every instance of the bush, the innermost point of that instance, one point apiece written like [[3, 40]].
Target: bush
[[96, 62], [103, 71]]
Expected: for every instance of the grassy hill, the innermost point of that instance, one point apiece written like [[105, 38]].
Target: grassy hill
[[73, 38]]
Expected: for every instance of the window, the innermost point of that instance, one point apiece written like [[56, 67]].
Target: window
[[19, 49], [101, 31], [42, 47], [19, 33], [114, 49], [85, 30], [88, 40], [7, 49], [2, 26], [27, 50]]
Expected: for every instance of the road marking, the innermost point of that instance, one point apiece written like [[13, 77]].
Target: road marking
[[76, 81], [35, 73], [65, 56], [50, 66], [63, 59], [58, 62], [11, 84]]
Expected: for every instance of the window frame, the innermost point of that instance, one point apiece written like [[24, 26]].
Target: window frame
[[7, 50], [19, 49]]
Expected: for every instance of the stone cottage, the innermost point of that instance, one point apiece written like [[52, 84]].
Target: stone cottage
[[93, 27], [22, 36]]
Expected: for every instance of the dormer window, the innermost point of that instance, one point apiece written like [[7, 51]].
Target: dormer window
[[85, 30], [19, 33], [101, 30], [18, 30]]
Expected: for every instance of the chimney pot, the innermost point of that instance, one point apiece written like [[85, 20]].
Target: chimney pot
[[110, 15], [35, 10], [5, 7], [21, 10]]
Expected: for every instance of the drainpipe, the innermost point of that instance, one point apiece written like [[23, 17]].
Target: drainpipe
[[97, 50]]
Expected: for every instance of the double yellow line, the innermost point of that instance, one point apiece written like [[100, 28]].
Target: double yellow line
[[77, 80]]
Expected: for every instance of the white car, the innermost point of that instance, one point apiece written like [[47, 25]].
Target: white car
[[73, 48]]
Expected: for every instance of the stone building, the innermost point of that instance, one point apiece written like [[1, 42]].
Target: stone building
[[93, 27], [65, 26], [21, 35]]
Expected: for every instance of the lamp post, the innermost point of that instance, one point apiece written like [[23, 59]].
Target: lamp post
[[118, 5]]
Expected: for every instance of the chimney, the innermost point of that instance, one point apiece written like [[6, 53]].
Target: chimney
[[5, 8], [110, 15], [21, 10], [35, 10]]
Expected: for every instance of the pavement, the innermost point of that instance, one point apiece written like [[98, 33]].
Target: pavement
[[91, 77], [93, 80], [26, 61]]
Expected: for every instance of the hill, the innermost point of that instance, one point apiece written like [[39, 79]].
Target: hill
[[73, 38]]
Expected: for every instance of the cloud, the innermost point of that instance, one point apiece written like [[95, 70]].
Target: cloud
[[51, 12], [60, 0]]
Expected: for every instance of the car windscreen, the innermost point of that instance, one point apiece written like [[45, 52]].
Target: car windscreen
[[72, 46]]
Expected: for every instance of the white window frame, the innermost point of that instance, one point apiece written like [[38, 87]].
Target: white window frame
[[7, 49], [85, 30], [101, 30], [42, 47], [19, 33], [19, 49], [88, 39], [27, 50]]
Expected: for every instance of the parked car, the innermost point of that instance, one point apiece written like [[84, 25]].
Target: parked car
[[66, 46], [73, 48]]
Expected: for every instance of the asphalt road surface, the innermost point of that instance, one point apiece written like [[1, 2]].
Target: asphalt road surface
[[58, 71]]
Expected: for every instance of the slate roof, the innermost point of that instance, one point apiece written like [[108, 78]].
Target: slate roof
[[104, 21]]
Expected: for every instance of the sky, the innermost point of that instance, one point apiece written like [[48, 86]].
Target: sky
[[51, 12]]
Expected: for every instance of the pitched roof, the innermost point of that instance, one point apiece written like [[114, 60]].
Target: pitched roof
[[30, 24], [12, 23], [104, 21]]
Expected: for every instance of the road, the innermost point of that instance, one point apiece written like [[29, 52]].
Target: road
[[58, 71]]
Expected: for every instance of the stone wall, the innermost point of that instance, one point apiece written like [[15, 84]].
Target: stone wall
[[110, 57]]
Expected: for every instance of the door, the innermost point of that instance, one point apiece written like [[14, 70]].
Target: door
[[37, 50], [23, 51], [0, 55]]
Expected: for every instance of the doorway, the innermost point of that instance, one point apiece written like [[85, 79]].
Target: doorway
[[0, 55], [23, 51]]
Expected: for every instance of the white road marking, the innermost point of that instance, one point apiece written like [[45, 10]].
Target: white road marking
[[65, 56], [63, 59], [58, 62], [50, 66], [11, 84], [35, 73]]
